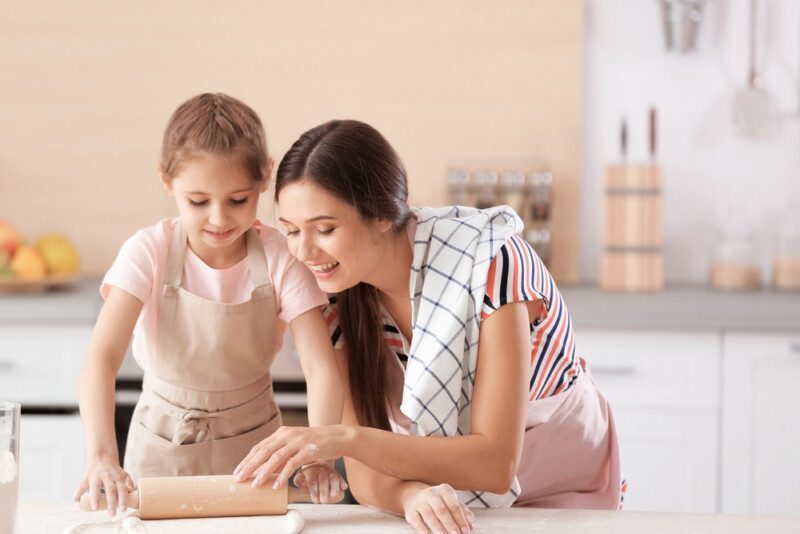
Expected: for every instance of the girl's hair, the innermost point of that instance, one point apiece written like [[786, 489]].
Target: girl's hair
[[216, 123], [353, 162]]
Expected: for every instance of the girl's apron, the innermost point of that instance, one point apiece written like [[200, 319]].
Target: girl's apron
[[207, 398]]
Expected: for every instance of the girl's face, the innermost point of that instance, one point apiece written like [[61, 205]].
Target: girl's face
[[217, 202], [330, 237]]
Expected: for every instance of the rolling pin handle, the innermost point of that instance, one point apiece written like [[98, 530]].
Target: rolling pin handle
[[85, 503]]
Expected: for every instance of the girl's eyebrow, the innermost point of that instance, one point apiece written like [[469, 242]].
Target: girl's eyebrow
[[231, 193], [312, 219]]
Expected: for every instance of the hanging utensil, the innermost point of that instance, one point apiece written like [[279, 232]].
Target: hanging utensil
[[751, 105]]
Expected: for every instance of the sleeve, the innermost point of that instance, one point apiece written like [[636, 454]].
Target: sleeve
[[331, 315], [296, 288], [134, 269], [516, 274]]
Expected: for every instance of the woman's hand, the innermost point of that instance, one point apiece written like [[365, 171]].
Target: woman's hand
[[437, 509], [290, 448], [107, 475], [322, 480]]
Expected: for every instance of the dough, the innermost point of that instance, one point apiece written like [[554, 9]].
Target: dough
[[129, 523]]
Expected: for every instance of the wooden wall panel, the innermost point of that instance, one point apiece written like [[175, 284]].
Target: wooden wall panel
[[88, 87]]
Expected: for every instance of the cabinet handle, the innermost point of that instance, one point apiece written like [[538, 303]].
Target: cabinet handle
[[6, 365], [612, 371]]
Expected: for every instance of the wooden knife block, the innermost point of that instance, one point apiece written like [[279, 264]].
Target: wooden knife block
[[633, 258]]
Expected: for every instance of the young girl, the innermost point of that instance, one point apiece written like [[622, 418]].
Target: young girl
[[207, 296], [461, 366]]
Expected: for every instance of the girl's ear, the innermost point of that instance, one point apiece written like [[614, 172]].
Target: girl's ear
[[265, 180], [166, 183]]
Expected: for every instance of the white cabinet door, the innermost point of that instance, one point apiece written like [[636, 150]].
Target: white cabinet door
[[51, 457], [663, 387], [761, 424], [669, 460]]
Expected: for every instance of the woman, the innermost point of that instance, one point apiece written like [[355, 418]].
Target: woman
[[461, 368]]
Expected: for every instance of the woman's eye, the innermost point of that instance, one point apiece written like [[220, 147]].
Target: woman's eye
[[328, 231], [292, 232], [198, 202], [238, 201]]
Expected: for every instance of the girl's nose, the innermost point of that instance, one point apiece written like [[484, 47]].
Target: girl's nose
[[217, 216]]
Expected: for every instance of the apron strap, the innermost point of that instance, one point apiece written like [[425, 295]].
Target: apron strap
[[259, 271], [176, 256]]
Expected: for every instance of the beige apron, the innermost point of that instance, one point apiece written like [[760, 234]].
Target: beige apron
[[207, 398]]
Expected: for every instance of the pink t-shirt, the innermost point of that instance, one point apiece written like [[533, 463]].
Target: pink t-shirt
[[141, 262]]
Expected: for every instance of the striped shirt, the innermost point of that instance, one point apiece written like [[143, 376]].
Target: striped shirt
[[516, 274]]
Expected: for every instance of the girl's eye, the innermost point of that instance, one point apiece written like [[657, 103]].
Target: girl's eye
[[238, 201], [292, 232], [198, 202], [329, 231]]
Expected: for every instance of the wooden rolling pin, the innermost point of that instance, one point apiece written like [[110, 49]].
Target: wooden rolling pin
[[207, 496]]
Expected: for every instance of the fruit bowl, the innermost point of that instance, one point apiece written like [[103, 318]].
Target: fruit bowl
[[20, 285]]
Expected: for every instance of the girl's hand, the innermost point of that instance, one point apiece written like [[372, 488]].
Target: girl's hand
[[107, 475], [437, 509], [288, 449], [322, 481]]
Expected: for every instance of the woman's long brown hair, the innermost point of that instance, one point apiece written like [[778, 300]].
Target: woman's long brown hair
[[354, 162]]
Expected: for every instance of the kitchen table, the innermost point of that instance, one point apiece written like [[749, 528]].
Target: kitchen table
[[55, 518]]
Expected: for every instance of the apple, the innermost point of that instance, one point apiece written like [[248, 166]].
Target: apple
[[10, 239]]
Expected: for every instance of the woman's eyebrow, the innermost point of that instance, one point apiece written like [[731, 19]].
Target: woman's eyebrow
[[312, 219]]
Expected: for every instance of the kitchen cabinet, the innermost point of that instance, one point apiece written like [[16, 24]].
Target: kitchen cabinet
[[51, 457], [664, 391], [761, 424]]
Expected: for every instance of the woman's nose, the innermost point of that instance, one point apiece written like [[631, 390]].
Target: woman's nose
[[305, 248]]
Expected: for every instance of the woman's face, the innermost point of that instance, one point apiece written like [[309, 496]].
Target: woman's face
[[330, 237]]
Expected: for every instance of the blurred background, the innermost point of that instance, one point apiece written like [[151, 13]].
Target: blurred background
[[651, 146]]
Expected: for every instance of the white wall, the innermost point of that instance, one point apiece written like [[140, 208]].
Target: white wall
[[707, 168]]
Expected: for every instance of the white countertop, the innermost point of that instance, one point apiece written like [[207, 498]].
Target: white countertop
[[55, 518]]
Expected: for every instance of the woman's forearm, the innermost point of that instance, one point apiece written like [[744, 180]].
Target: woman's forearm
[[324, 399], [378, 490], [471, 462]]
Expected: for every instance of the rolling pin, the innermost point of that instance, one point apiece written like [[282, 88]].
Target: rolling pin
[[207, 496]]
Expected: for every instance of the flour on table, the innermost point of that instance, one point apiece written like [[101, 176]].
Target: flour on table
[[291, 523], [127, 523]]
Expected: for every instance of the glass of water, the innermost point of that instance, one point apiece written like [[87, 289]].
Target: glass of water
[[9, 462]]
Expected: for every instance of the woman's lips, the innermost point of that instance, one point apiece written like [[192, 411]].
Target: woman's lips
[[325, 270]]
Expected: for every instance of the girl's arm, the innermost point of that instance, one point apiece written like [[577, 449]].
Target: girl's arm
[[485, 460], [323, 379], [107, 347]]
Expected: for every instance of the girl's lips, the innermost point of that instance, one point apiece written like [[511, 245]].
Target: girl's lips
[[219, 236]]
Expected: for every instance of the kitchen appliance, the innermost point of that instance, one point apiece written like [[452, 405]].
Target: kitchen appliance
[[207, 496]]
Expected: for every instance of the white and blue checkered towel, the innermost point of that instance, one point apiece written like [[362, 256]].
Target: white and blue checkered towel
[[453, 249]]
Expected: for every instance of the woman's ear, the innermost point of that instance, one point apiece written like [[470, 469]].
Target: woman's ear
[[383, 225], [166, 182]]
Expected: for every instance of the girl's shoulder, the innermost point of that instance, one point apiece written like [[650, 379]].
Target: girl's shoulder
[[152, 239]]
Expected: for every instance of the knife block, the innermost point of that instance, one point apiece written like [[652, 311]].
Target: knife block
[[632, 258]]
